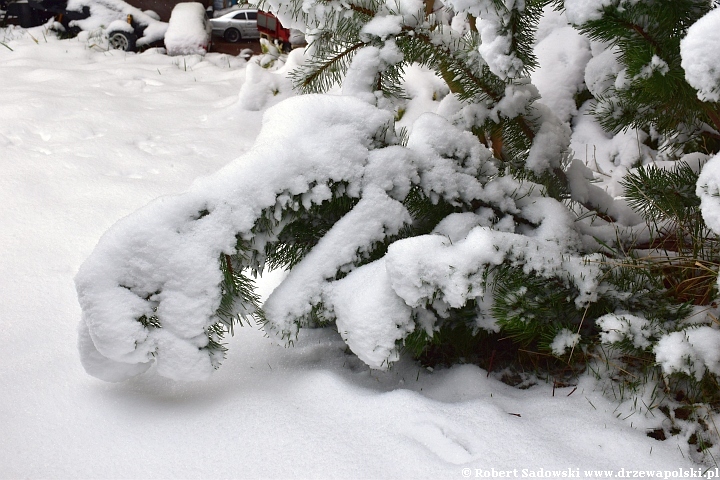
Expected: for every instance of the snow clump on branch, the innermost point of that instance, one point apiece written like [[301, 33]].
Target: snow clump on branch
[[152, 289]]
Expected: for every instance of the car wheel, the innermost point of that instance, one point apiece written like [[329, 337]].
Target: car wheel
[[121, 41], [232, 35]]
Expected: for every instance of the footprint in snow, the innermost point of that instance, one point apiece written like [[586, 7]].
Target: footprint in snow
[[449, 442]]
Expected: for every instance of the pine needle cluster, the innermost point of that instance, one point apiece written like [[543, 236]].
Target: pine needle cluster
[[652, 94]]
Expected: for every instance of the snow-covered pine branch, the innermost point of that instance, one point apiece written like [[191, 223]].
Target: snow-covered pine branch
[[164, 262]]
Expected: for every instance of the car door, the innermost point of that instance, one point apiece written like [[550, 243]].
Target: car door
[[250, 26], [237, 21]]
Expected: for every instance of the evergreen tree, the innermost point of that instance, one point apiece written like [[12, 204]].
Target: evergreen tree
[[501, 167], [474, 231]]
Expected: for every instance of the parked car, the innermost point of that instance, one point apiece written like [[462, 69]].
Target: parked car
[[127, 28], [236, 25], [189, 31]]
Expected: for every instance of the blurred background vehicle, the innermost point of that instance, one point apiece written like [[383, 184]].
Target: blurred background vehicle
[[127, 28], [236, 25]]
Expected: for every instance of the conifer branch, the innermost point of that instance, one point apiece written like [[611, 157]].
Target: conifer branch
[[445, 62], [712, 113], [640, 31], [362, 10], [307, 81]]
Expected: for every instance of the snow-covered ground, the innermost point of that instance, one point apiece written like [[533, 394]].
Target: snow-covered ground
[[88, 136]]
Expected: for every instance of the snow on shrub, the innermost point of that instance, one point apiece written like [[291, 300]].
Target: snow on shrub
[[153, 288], [468, 225], [563, 341], [370, 317], [693, 351], [477, 216], [163, 262], [619, 327]]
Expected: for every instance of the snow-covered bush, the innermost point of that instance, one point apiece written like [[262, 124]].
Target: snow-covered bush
[[398, 227], [472, 202]]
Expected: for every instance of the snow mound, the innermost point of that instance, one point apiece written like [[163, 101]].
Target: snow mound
[[188, 30]]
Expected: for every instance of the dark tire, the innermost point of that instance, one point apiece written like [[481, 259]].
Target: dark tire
[[232, 35], [121, 41]]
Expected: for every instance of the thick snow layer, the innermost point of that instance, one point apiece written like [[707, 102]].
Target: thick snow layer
[[88, 137], [568, 52], [262, 88], [701, 56], [692, 351], [708, 189], [369, 316], [188, 30], [581, 11]]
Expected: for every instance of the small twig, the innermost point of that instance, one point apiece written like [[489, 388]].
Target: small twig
[[490, 364], [228, 261]]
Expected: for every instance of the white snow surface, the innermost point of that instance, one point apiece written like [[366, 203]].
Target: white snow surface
[[616, 327], [691, 351], [88, 137], [188, 30], [701, 56], [581, 11], [708, 189], [569, 52]]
